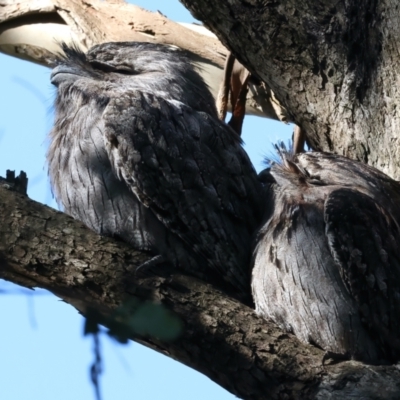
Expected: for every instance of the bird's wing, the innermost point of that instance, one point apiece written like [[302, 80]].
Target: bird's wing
[[295, 281], [191, 171], [364, 239]]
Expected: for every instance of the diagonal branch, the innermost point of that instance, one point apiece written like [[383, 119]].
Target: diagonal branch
[[32, 29], [223, 339]]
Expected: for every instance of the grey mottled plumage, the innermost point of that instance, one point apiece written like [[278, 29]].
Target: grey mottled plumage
[[137, 152], [327, 261]]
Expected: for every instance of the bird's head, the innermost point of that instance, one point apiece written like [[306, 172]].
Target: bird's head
[[162, 70]]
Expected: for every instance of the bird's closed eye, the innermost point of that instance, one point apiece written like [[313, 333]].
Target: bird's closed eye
[[109, 68]]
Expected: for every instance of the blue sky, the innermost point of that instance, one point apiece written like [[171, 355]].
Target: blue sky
[[43, 354]]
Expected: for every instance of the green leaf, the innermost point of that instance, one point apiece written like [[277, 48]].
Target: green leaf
[[155, 320]]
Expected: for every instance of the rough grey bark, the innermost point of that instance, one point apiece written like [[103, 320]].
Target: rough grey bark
[[223, 338], [334, 66]]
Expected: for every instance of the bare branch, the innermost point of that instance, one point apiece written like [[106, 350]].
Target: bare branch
[[223, 338], [32, 30]]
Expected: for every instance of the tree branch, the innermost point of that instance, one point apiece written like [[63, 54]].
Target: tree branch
[[32, 29], [222, 338]]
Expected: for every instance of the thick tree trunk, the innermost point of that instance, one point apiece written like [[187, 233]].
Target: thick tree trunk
[[333, 65]]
